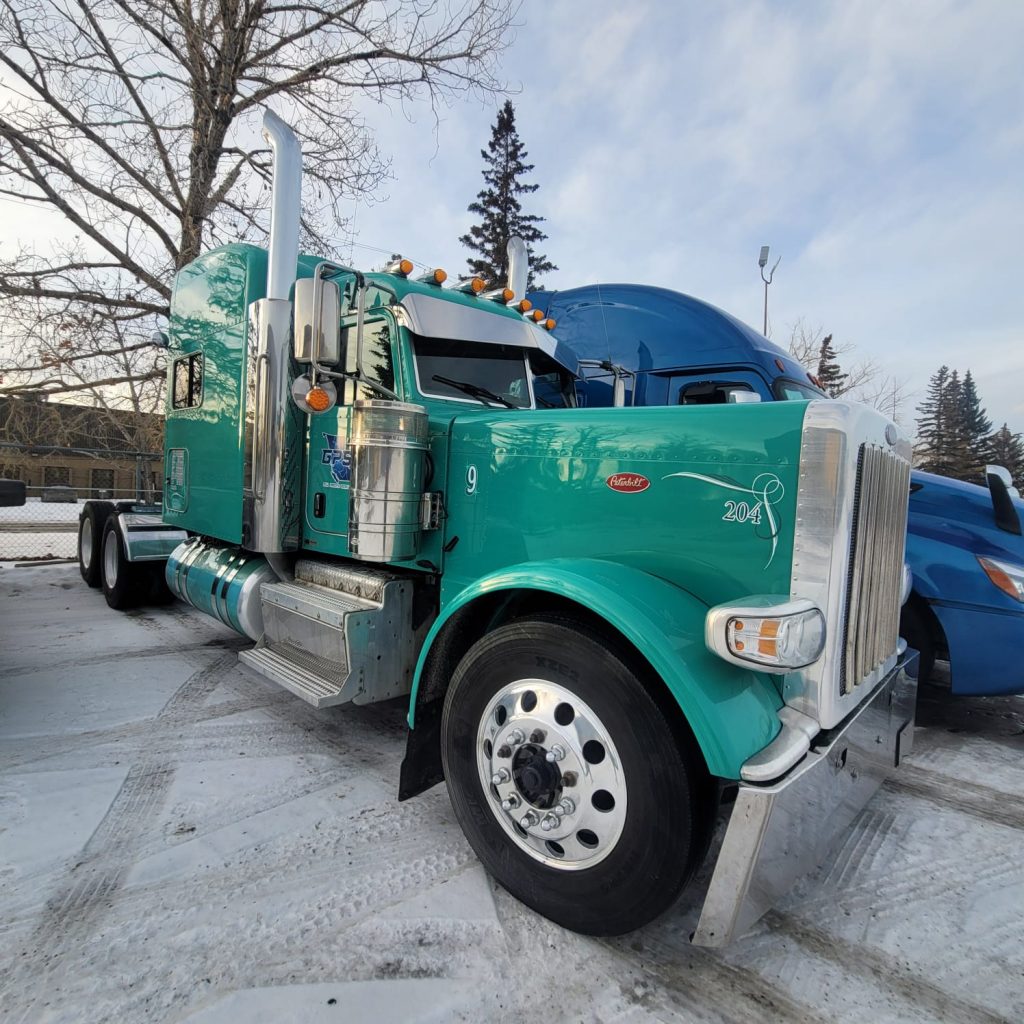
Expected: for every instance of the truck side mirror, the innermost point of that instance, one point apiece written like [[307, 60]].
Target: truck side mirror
[[317, 328], [1004, 474], [741, 396]]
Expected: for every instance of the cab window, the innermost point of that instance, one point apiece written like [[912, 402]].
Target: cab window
[[187, 381], [469, 371], [715, 392], [792, 391], [378, 359]]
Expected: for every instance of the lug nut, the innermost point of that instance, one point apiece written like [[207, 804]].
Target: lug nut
[[556, 753], [549, 823], [510, 803], [566, 806], [500, 776], [537, 736], [528, 820], [569, 779], [515, 737]]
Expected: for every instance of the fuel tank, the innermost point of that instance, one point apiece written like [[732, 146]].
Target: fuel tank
[[222, 581]]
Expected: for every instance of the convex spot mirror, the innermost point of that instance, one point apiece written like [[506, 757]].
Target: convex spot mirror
[[324, 329]]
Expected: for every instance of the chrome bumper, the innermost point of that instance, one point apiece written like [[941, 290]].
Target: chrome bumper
[[780, 832]]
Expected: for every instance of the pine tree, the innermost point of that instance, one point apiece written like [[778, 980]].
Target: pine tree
[[932, 424], [833, 380], [499, 207], [1007, 449], [953, 447], [974, 429]]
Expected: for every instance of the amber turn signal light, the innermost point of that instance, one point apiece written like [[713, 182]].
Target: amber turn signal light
[[318, 400]]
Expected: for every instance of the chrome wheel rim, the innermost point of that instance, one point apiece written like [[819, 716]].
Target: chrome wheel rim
[[551, 774], [110, 560], [85, 543]]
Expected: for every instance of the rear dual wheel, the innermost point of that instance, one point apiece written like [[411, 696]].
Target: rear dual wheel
[[571, 785], [90, 539]]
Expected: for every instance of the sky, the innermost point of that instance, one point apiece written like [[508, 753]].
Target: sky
[[876, 147]]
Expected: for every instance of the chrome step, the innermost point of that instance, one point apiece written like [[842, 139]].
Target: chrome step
[[327, 606], [351, 579], [338, 633], [317, 681]]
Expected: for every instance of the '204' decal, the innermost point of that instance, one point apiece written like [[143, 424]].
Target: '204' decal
[[743, 512], [755, 508]]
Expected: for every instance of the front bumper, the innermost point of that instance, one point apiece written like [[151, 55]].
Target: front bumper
[[780, 832]]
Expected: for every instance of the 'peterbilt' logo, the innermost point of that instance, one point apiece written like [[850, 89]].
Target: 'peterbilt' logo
[[628, 483]]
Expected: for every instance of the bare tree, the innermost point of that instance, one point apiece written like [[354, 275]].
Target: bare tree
[[136, 121], [864, 380]]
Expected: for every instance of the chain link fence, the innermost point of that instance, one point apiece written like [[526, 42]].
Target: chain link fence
[[57, 484]]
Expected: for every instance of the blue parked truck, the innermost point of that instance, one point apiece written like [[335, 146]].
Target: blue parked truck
[[653, 346]]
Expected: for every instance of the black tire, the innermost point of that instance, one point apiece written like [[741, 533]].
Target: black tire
[[915, 630], [666, 814], [90, 539], [126, 586]]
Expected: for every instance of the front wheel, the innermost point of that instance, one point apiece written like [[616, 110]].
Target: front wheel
[[571, 785]]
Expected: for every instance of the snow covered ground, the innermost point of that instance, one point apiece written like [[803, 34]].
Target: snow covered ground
[[39, 529], [182, 841]]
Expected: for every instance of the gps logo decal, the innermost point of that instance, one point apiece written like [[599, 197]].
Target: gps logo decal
[[337, 458]]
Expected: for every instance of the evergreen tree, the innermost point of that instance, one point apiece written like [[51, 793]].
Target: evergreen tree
[[1007, 449], [500, 211], [974, 429], [932, 424], [833, 380], [953, 444]]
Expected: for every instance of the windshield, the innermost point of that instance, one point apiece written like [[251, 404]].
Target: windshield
[[471, 370]]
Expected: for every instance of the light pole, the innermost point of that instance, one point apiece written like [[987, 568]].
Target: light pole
[[762, 262]]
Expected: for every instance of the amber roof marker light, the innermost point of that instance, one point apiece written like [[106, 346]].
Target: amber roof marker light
[[435, 277], [472, 285], [401, 267]]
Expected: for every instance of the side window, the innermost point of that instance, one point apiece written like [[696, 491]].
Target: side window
[[710, 392], [187, 381], [378, 359]]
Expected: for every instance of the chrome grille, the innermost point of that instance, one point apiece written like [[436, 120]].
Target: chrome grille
[[875, 577]]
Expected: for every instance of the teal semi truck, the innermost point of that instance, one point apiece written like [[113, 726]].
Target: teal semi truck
[[614, 627]]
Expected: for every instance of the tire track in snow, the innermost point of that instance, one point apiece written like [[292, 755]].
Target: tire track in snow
[[990, 805], [882, 969], [70, 915]]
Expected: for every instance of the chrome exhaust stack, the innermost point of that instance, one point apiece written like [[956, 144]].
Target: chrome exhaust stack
[[273, 500], [518, 267], [285, 206]]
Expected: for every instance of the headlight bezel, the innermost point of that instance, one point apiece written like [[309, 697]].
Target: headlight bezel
[[731, 629]]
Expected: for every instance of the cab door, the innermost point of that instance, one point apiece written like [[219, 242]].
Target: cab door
[[328, 469]]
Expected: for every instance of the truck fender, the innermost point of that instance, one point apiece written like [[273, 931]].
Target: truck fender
[[731, 711]]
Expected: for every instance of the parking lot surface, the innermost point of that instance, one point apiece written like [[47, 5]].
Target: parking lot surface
[[182, 841]]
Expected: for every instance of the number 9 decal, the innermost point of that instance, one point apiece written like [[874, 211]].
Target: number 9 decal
[[471, 480]]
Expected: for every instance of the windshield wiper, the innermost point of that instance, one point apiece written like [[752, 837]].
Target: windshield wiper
[[475, 390]]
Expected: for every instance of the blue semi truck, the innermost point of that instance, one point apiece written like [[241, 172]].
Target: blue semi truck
[[653, 346]]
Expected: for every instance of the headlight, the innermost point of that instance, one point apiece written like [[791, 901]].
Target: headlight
[[776, 637], [1009, 578]]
